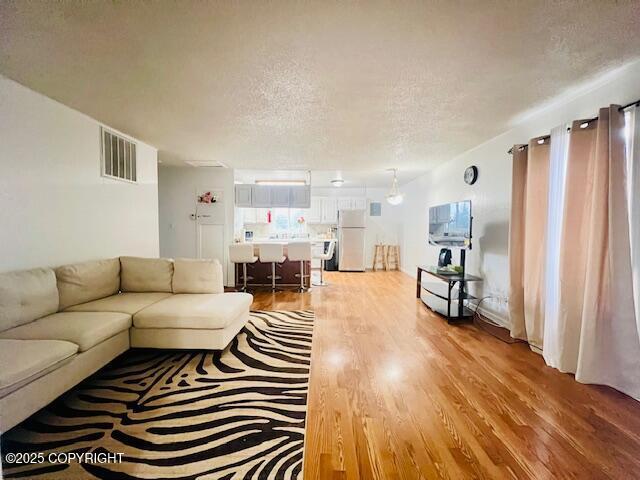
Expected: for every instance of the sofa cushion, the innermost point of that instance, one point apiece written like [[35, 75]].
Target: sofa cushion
[[197, 276], [86, 281], [85, 329], [184, 310], [27, 295], [145, 274], [25, 360], [122, 302]]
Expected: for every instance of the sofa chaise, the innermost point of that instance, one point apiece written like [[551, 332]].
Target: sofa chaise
[[58, 326]]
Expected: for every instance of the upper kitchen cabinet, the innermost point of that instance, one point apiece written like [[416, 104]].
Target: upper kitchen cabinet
[[329, 210], [344, 203], [243, 195], [273, 196], [315, 211], [300, 196], [359, 203], [279, 196], [261, 196], [352, 203]]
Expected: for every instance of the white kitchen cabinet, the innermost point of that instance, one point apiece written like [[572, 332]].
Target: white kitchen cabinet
[[243, 195], [261, 196], [300, 196], [329, 210], [314, 215], [279, 196], [359, 203], [344, 203]]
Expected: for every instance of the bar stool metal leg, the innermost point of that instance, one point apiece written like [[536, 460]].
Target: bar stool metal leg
[[244, 277], [302, 277], [273, 276], [322, 282]]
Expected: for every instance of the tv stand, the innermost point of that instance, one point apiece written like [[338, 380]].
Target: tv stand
[[434, 297]]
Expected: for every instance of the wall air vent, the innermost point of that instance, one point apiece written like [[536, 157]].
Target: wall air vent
[[119, 157], [206, 163]]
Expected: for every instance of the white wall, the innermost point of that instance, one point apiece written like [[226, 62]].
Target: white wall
[[491, 195], [382, 229], [177, 190], [55, 207]]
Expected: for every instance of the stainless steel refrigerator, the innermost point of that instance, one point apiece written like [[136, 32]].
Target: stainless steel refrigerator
[[351, 231]]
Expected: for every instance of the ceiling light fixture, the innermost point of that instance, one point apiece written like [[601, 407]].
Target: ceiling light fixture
[[337, 182], [206, 164], [394, 197]]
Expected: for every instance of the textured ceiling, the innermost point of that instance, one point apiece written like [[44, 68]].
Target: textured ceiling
[[316, 85]]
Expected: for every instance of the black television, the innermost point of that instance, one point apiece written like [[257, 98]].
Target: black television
[[450, 224]]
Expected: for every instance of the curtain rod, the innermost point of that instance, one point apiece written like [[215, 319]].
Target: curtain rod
[[544, 137]]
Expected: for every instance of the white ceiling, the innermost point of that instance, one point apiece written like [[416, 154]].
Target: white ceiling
[[351, 86]]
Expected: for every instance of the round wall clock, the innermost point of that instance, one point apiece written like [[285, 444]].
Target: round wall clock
[[471, 174]]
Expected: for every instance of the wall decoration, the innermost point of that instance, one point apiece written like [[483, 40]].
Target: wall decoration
[[208, 197]]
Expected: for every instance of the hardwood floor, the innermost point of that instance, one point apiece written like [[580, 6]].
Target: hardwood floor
[[396, 393]]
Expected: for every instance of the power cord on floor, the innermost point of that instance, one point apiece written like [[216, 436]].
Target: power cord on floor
[[486, 324]]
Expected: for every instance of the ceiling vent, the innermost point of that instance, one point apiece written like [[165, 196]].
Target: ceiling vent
[[206, 163]]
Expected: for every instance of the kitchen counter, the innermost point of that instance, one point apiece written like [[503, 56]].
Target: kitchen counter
[[285, 241], [257, 272]]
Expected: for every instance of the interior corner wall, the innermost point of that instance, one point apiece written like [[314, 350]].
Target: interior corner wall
[[177, 190], [491, 194], [55, 207]]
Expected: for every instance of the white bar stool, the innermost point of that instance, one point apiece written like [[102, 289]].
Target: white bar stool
[[300, 252], [272, 253], [323, 258], [242, 253]]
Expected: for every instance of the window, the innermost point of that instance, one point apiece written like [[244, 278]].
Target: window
[[288, 222], [118, 157]]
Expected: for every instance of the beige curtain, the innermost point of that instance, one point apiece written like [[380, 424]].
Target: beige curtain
[[597, 324], [516, 242], [527, 240]]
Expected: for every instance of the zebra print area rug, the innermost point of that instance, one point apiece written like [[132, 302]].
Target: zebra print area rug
[[236, 414]]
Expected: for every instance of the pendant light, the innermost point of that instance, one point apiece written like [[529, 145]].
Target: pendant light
[[394, 197]]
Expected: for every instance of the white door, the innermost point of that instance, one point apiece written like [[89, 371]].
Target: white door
[[210, 225], [351, 243], [210, 239]]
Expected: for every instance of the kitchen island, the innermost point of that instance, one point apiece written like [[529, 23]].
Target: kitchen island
[[258, 273]]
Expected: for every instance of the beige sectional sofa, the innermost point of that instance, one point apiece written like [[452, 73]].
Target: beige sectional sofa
[[58, 326]]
